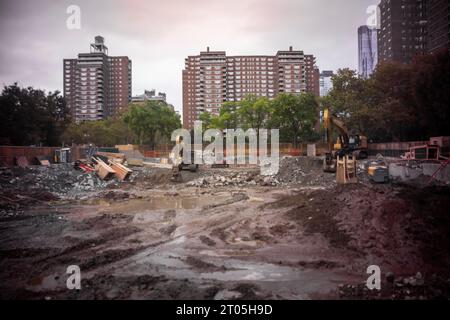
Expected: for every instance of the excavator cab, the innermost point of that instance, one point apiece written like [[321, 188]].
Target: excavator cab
[[357, 145]]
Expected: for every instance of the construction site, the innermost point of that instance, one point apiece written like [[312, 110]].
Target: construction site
[[226, 232]]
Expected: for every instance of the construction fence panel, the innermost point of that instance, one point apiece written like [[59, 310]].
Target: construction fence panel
[[393, 149], [9, 154]]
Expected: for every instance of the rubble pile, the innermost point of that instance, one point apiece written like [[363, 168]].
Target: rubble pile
[[303, 170], [415, 287], [240, 179], [292, 170], [60, 179]]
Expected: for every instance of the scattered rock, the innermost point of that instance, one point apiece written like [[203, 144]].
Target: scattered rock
[[390, 277]]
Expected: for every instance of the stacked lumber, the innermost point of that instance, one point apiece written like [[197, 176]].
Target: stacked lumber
[[121, 171], [116, 157], [103, 170]]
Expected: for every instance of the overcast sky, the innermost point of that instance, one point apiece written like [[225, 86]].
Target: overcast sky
[[158, 35]]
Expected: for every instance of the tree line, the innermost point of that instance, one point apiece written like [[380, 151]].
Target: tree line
[[150, 123], [398, 102], [32, 117], [295, 115]]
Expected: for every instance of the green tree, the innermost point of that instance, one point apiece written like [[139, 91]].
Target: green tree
[[399, 102], [31, 117], [152, 121], [348, 98], [389, 114], [295, 116], [229, 116], [430, 89], [206, 119], [254, 112], [106, 133]]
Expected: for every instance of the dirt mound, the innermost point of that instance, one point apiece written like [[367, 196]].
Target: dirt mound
[[405, 230]]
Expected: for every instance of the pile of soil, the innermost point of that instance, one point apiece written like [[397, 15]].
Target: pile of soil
[[404, 230]]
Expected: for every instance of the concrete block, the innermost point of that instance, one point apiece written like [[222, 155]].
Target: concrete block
[[404, 172], [443, 175], [311, 150]]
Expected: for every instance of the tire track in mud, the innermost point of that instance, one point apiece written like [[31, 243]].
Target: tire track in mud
[[223, 220]]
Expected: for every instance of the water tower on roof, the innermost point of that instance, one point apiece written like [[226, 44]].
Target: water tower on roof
[[99, 45]]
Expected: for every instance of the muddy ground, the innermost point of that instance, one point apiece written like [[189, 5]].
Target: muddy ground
[[234, 236]]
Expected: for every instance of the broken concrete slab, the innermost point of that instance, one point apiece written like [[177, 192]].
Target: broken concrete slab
[[443, 175], [404, 172]]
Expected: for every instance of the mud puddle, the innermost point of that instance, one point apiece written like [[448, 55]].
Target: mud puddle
[[176, 262], [162, 202]]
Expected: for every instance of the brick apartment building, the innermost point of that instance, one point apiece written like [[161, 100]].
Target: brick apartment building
[[438, 25], [97, 86], [212, 78], [411, 27]]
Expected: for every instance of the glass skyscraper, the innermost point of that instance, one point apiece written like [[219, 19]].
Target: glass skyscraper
[[367, 50]]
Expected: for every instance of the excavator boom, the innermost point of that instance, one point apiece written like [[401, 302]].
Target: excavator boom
[[346, 144]]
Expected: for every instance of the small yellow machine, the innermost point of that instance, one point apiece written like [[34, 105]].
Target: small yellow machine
[[378, 170]]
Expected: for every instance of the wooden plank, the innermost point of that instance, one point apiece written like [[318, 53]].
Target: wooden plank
[[122, 172], [103, 170], [117, 160], [43, 161]]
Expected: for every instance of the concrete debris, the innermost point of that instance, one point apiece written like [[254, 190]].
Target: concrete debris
[[60, 179], [292, 171], [304, 171], [419, 173], [217, 180], [401, 288]]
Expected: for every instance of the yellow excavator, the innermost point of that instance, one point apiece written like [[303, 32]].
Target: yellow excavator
[[346, 144]]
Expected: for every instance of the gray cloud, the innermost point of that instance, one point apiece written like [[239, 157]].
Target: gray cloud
[[158, 35]]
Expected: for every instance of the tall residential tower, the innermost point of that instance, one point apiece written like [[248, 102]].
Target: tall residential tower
[[97, 86], [212, 78], [403, 30], [438, 14]]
